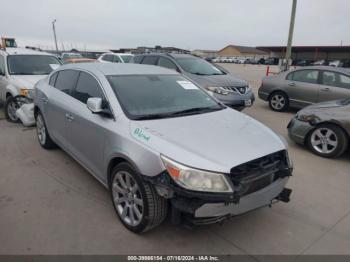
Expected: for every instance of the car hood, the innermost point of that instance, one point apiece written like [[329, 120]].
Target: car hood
[[328, 110], [215, 141], [26, 81], [217, 80]]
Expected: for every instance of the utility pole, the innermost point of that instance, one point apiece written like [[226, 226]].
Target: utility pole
[[54, 34], [290, 35]]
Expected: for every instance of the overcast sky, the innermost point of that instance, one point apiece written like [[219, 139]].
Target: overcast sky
[[189, 24]]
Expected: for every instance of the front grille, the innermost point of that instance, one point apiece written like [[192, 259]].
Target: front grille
[[259, 173], [242, 90]]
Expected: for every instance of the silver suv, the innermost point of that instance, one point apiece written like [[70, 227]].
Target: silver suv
[[227, 88], [20, 69], [157, 141]]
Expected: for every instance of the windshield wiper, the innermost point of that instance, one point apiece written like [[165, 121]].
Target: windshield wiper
[[197, 110]]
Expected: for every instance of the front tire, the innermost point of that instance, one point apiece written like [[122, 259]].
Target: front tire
[[279, 101], [328, 141], [10, 108], [43, 135], [136, 202]]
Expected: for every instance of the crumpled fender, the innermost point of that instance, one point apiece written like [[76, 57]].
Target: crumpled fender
[[26, 114]]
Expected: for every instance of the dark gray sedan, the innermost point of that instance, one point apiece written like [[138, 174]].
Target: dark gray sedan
[[324, 127], [302, 87]]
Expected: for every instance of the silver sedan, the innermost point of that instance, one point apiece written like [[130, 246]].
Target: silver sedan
[[146, 133]]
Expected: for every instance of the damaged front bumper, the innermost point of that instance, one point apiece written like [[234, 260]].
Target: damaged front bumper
[[262, 185]]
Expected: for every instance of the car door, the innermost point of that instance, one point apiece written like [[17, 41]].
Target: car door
[[87, 131], [334, 86], [3, 79], [302, 87], [56, 103]]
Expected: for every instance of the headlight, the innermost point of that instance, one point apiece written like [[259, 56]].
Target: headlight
[[218, 90], [289, 160], [195, 179], [308, 118], [27, 92]]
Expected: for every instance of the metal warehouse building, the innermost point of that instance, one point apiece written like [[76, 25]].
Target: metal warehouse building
[[242, 51], [310, 52]]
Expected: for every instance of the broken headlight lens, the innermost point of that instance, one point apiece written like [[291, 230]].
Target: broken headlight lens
[[195, 179], [308, 118]]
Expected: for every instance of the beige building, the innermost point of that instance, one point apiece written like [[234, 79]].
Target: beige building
[[241, 51], [205, 53]]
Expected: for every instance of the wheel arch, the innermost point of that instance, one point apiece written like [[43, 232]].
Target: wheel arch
[[328, 122], [116, 160]]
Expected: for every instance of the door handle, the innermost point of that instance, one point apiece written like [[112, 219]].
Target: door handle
[[69, 117], [291, 84], [45, 100], [326, 89]]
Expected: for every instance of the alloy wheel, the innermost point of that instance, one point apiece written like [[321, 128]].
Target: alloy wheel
[[278, 102], [127, 198], [324, 140], [41, 129], [11, 110]]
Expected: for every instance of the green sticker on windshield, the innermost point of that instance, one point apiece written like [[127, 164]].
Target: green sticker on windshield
[[140, 134]]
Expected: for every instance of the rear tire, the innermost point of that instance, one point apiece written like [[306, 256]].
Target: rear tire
[[43, 135], [328, 141], [136, 202], [279, 101]]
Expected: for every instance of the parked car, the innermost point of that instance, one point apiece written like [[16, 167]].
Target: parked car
[[323, 127], [146, 133], [216, 60], [321, 63], [301, 87], [115, 58], [302, 62], [336, 63], [271, 61], [79, 60], [240, 60], [20, 69], [230, 90], [67, 56]]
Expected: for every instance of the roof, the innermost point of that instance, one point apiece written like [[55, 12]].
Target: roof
[[307, 48], [121, 69], [205, 51], [330, 68], [245, 49], [23, 51]]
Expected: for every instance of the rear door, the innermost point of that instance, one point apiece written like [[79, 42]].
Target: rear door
[[334, 86], [58, 99], [303, 87]]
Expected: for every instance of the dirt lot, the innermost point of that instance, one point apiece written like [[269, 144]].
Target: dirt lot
[[50, 205]]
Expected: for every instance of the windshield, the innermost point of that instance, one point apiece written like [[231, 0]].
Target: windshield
[[198, 66], [160, 96], [32, 64], [126, 58]]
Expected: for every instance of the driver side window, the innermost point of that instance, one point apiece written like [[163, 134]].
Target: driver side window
[[87, 87]]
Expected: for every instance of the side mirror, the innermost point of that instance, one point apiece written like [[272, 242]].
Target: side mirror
[[94, 104], [97, 106]]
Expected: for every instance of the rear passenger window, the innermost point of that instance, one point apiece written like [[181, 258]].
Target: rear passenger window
[[150, 60], [164, 62], [108, 58], [137, 59], [307, 76], [53, 79], [66, 80], [87, 87], [335, 79], [117, 59]]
